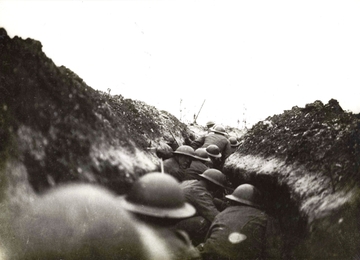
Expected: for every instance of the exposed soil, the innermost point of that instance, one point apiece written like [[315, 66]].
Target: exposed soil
[[320, 137], [63, 130], [307, 163]]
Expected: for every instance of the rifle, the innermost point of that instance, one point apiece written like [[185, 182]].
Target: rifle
[[199, 111], [174, 138]]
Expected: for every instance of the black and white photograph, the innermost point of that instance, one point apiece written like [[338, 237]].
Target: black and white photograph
[[179, 130]]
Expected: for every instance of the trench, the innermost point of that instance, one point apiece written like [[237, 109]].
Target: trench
[[289, 226]]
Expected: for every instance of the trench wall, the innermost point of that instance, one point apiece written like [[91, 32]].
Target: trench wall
[[315, 222]]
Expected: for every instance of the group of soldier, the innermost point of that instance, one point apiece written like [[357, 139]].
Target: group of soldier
[[184, 210]]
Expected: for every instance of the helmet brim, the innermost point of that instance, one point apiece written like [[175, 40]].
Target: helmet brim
[[246, 202], [177, 213], [218, 132], [187, 154], [214, 155], [211, 180], [202, 159], [235, 145]]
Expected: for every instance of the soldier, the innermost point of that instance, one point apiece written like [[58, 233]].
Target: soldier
[[210, 124], [164, 151], [157, 201], [170, 141], [200, 193], [214, 154], [82, 221], [181, 160], [198, 165], [218, 138], [238, 232], [233, 143]]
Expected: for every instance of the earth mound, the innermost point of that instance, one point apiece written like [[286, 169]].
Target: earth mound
[[307, 163], [62, 130]]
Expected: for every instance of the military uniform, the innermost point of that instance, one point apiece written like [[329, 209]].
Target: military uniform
[[196, 168], [172, 167], [177, 243], [220, 140], [238, 232], [198, 196]]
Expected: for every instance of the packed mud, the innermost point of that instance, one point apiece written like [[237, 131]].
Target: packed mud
[[56, 129], [306, 162]]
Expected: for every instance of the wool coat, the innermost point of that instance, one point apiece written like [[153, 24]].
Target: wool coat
[[238, 232], [172, 167], [196, 168], [218, 139]]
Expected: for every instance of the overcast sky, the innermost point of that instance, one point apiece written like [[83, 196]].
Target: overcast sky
[[246, 59]]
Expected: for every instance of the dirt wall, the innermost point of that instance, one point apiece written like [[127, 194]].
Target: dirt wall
[[306, 161]]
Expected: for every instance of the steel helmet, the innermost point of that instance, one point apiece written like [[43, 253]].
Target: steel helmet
[[201, 154], [246, 194], [233, 141], [158, 195], [185, 150], [210, 123], [213, 151], [215, 176], [219, 129], [63, 222]]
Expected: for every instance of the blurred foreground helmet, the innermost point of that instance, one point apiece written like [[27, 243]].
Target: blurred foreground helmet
[[201, 154], [158, 195], [210, 124], [233, 141], [215, 176], [219, 129], [246, 194], [213, 151], [79, 222], [185, 150]]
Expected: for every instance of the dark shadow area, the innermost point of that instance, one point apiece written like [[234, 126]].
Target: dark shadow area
[[279, 205], [288, 227]]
